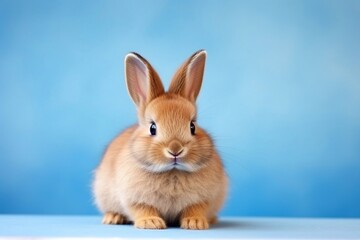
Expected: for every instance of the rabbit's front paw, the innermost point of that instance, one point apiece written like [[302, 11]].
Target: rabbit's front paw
[[150, 223], [194, 223], [113, 218]]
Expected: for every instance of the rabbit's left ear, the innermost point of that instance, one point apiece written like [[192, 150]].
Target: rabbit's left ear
[[188, 78]]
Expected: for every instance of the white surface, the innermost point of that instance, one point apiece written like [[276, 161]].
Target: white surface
[[234, 228]]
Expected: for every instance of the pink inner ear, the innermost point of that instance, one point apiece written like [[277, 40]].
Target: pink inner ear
[[194, 77], [140, 92], [141, 84], [137, 78]]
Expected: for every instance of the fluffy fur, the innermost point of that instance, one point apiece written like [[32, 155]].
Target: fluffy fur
[[139, 178]]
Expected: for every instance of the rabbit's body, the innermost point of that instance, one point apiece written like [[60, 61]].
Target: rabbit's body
[[171, 177], [169, 192]]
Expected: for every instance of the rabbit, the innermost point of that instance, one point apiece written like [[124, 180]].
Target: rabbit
[[163, 171]]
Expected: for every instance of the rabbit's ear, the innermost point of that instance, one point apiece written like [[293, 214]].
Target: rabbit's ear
[[188, 78], [142, 81]]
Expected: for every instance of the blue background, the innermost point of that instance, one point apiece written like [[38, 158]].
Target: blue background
[[281, 96]]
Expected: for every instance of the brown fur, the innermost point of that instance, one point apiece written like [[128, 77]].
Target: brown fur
[[136, 180]]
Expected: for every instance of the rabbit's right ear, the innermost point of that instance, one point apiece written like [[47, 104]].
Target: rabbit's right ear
[[142, 81]]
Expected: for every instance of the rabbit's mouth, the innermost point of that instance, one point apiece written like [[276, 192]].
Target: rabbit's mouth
[[172, 164], [175, 161], [179, 164]]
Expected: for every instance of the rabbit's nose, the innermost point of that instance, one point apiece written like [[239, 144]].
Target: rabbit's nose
[[175, 148], [175, 154]]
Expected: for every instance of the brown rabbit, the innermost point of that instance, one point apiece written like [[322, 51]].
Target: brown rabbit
[[165, 169]]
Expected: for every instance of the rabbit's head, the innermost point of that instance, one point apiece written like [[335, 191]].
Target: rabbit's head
[[168, 136]]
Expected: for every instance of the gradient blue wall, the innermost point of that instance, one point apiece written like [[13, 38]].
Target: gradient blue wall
[[281, 96]]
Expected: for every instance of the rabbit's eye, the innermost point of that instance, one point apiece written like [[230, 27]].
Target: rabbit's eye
[[153, 129], [192, 128]]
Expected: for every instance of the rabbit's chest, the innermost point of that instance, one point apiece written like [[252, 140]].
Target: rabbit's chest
[[174, 189], [173, 195]]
